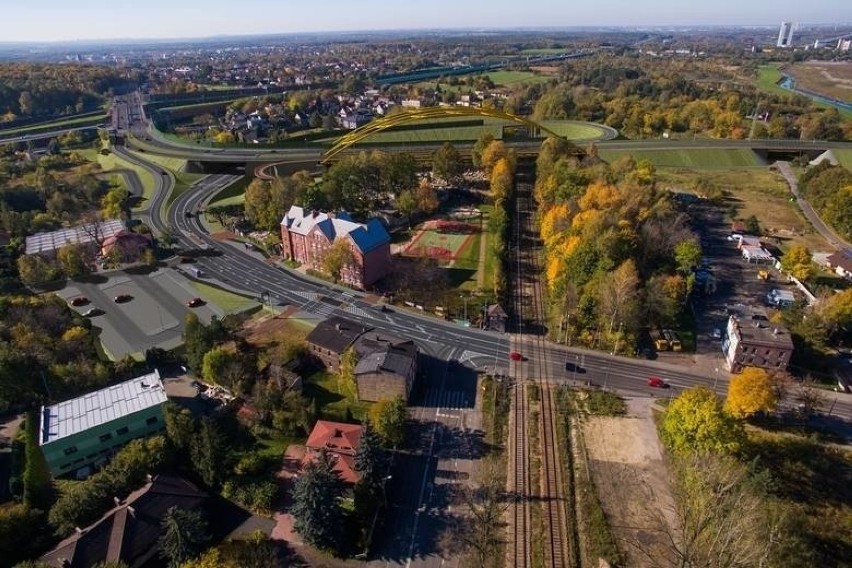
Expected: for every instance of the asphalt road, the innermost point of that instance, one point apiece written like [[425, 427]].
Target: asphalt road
[[827, 232]]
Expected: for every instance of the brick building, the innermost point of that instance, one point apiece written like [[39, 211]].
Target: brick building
[[307, 235], [752, 341], [387, 366]]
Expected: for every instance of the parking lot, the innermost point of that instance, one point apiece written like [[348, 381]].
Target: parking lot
[[152, 317], [738, 287]]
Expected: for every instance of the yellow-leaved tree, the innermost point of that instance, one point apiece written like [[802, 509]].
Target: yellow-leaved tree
[[750, 392]]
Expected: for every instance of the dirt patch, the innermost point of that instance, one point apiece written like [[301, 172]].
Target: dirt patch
[[269, 328], [224, 236], [627, 466]]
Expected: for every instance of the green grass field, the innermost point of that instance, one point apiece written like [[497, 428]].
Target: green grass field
[[228, 301], [575, 130], [174, 164], [111, 163], [90, 118], [844, 156], [332, 401], [691, 157]]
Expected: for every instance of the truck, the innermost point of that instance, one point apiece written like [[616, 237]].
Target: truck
[[194, 271]]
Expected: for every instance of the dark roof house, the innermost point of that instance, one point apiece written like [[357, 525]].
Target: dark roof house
[[129, 532], [330, 338]]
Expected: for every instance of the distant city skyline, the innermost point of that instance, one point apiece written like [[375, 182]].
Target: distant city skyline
[[55, 20]]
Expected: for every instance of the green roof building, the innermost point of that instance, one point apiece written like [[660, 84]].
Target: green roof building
[[86, 430]]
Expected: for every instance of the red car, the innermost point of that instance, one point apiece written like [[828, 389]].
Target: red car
[[515, 356], [657, 382], [80, 301]]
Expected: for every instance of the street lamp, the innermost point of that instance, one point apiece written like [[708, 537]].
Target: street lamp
[[463, 297], [715, 378]]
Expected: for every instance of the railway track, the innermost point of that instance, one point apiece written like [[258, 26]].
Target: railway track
[[540, 510]]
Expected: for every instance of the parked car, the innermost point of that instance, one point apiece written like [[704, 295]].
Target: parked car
[[194, 303], [515, 356], [93, 312], [80, 301], [122, 298], [657, 383]]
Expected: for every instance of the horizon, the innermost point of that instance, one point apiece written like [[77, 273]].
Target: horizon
[[52, 21]]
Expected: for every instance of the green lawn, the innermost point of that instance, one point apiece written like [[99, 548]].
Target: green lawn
[[576, 130], [844, 156], [326, 390], [174, 164], [227, 301], [507, 78], [234, 194], [91, 118], [111, 163], [690, 157]]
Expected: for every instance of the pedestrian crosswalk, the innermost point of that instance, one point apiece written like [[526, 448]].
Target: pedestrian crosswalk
[[447, 399], [356, 311]]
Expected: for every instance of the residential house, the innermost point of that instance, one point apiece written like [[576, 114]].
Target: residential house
[[129, 533], [341, 441], [387, 366], [331, 338], [88, 429], [753, 341], [841, 263], [125, 246], [306, 237]]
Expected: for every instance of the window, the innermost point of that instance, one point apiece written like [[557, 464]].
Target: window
[[122, 431], [70, 450], [151, 420], [105, 437]]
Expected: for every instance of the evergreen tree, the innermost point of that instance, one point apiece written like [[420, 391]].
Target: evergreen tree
[[317, 509], [370, 459], [37, 486], [209, 452], [183, 535]]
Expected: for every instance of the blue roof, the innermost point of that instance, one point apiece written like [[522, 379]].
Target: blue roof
[[370, 236]]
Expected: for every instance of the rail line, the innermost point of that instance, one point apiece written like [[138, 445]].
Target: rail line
[[554, 489]]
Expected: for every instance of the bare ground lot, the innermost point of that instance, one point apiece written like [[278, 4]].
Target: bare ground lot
[[830, 78], [627, 467]]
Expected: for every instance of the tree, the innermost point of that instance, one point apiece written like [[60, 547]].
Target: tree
[[750, 392], [346, 373], [37, 482], [210, 452], [752, 225], [809, 397], [481, 144], [619, 296], [114, 203], [687, 254], [183, 535], [34, 269], [387, 418], [407, 205], [180, 426], [721, 519], [370, 459], [836, 312], [317, 507], [696, 422], [447, 163], [338, 256], [223, 366], [21, 531], [71, 260], [798, 262], [502, 180]]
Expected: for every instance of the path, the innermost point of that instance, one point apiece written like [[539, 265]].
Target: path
[[828, 234], [480, 267]]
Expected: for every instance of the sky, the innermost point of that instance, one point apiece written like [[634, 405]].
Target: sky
[[62, 20]]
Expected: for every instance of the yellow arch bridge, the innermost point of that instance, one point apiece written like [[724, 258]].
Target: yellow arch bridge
[[413, 115]]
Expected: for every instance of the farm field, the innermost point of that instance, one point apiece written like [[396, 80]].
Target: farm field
[[769, 75], [690, 157]]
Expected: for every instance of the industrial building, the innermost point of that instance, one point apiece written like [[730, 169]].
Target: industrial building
[[85, 431]]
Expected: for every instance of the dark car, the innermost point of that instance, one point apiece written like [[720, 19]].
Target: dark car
[[195, 302], [515, 356], [572, 367], [80, 301], [122, 298], [657, 383]]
